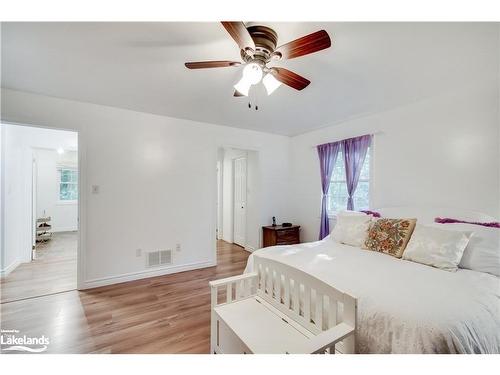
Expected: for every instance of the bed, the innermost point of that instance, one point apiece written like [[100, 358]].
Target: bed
[[405, 307]]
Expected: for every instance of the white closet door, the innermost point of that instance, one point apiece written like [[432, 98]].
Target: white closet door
[[240, 201]]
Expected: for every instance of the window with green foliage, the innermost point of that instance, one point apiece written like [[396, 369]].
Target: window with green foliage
[[337, 195], [68, 184]]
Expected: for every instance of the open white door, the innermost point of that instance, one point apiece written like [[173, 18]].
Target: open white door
[[240, 201]]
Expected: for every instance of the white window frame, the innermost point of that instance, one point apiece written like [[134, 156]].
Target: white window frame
[[59, 182], [333, 215]]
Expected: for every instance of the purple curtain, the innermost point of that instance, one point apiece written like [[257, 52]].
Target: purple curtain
[[327, 157], [354, 150]]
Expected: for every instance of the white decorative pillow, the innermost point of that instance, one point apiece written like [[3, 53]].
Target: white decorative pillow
[[351, 228], [437, 247], [482, 253]]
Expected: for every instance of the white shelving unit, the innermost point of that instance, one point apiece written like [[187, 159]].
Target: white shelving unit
[[43, 229]]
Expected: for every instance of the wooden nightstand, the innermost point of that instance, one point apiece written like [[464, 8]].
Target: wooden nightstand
[[280, 235]]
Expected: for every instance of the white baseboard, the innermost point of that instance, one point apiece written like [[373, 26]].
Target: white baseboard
[[10, 268], [228, 240], [94, 283], [250, 248]]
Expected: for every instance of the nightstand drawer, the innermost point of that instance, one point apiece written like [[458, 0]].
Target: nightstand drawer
[[287, 233]]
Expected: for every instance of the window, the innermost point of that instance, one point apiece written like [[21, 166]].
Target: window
[[337, 195], [68, 184]]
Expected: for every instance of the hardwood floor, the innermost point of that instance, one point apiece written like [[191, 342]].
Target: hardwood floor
[[53, 270], [165, 314]]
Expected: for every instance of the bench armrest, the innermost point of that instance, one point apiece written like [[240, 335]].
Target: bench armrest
[[244, 286], [232, 279], [329, 338]]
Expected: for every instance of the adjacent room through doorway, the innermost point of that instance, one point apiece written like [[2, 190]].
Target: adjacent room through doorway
[[39, 211], [237, 199]]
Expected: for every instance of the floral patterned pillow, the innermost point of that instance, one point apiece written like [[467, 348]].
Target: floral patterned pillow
[[390, 236]]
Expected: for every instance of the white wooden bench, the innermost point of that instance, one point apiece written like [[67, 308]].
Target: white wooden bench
[[280, 309]]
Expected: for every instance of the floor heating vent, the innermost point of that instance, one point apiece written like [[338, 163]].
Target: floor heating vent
[[159, 258]]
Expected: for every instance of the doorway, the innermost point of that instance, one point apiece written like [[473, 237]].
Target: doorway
[[40, 209], [238, 198]]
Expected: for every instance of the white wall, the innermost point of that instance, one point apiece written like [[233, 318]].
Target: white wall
[[16, 162], [64, 215], [254, 188], [156, 178], [442, 151]]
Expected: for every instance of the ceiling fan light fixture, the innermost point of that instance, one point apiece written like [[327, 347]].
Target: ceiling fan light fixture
[[270, 83]]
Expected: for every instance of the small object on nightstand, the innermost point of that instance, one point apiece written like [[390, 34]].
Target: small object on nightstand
[[280, 235], [274, 221], [286, 225]]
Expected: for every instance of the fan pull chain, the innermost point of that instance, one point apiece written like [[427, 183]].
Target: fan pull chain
[[255, 101]]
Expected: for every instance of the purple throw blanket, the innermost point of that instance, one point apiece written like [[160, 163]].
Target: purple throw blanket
[[447, 220]]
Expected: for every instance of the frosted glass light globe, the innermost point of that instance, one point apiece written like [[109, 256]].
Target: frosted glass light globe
[[270, 83], [252, 73]]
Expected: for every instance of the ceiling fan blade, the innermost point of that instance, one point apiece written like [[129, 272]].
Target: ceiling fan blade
[[240, 34], [237, 94], [290, 78], [303, 46], [210, 64]]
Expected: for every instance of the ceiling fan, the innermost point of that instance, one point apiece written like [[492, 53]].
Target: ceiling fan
[[257, 48]]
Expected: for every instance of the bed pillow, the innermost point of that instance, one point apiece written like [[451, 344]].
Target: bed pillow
[[351, 228], [482, 253], [390, 236], [437, 247]]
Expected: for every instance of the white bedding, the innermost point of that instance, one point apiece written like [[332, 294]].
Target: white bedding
[[404, 307]]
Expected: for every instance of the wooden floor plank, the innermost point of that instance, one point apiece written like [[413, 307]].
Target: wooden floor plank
[[164, 314]]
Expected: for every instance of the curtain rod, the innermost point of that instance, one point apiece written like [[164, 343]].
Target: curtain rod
[[355, 136]]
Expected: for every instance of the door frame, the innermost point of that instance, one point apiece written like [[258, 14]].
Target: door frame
[[82, 199], [219, 206], [215, 158], [34, 194]]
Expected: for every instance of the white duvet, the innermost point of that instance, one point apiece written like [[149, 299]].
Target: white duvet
[[404, 307]]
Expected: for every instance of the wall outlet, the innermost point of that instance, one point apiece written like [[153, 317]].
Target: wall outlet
[[138, 252], [178, 247]]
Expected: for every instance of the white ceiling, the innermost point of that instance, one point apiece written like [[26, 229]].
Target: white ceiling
[[371, 67]]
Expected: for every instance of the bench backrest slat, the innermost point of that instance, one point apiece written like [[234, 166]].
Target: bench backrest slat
[[307, 300]]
